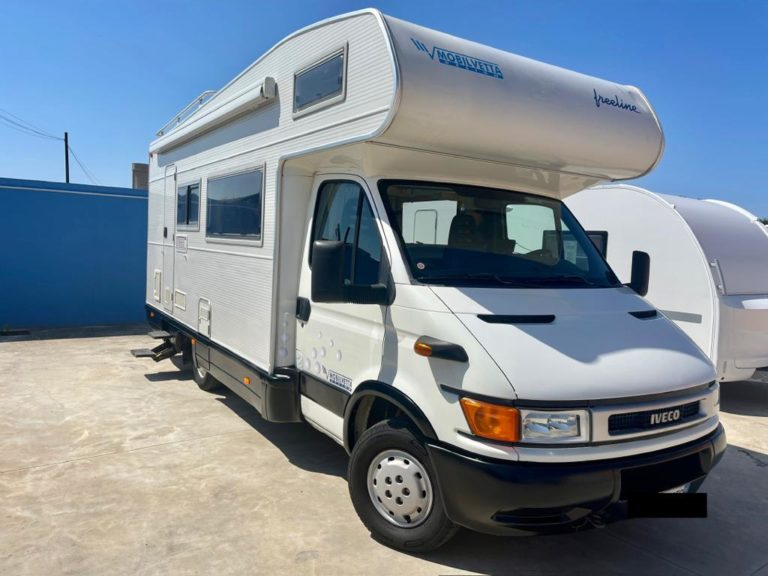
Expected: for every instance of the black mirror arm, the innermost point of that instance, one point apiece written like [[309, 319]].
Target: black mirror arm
[[368, 294]]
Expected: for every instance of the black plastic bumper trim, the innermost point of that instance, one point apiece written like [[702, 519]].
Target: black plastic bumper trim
[[496, 496]]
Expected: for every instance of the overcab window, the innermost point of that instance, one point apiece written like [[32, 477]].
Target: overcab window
[[319, 83]]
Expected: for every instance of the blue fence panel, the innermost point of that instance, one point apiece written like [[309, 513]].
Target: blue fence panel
[[71, 254]]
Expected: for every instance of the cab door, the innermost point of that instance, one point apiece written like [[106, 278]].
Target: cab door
[[339, 345]]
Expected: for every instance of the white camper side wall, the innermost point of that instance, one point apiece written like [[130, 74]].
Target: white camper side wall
[[680, 282], [238, 277], [739, 243]]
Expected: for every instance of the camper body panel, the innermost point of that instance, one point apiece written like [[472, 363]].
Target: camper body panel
[[236, 280], [551, 120]]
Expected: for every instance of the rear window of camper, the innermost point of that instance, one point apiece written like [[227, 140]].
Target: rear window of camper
[[188, 206], [320, 83], [234, 205]]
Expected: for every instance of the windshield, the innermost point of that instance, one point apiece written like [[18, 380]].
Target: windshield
[[467, 235]]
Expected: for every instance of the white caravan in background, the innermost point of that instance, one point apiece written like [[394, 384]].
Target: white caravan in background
[[365, 230], [710, 266]]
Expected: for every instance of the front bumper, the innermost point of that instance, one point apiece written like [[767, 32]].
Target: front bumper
[[497, 497]]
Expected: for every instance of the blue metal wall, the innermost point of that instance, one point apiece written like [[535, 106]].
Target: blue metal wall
[[71, 254]]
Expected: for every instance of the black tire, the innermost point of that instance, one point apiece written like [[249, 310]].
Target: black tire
[[435, 529], [202, 377]]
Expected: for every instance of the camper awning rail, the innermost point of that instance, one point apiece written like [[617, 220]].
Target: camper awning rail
[[186, 112], [218, 113]]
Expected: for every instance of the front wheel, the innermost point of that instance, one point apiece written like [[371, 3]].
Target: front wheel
[[394, 489]]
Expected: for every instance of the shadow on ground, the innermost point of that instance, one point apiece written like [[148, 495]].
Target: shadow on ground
[[304, 446], [73, 332], [747, 398]]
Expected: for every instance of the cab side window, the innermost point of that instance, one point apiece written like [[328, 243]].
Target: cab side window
[[343, 213]]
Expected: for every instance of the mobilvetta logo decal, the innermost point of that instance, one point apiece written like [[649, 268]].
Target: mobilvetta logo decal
[[457, 60], [615, 101]]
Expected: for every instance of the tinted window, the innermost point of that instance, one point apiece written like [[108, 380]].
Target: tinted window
[[234, 205], [343, 213], [188, 205], [318, 83]]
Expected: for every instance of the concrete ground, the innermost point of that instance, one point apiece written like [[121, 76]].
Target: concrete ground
[[116, 465]]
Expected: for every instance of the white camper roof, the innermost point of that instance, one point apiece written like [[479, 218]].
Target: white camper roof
[[412, 87]]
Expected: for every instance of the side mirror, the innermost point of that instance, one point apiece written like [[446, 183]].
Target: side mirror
[[328, 271], [328, 284], [641, 272], [600, 240]]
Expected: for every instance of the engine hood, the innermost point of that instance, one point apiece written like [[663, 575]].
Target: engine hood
[[592, 349]]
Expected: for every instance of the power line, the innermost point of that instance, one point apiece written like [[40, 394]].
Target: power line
[[14, 122], [25, 125], [24, 130], [85, 170]]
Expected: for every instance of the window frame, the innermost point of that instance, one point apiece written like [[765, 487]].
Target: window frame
[[187, 227], [224, 239], [327, 101]]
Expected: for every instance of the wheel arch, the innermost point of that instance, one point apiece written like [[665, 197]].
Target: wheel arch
[[371, 395]]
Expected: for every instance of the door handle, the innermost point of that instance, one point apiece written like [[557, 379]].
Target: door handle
[[303, 309]]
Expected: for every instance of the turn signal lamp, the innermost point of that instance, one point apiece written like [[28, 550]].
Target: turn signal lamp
[[246, 380], [422, 348], [492, 421]]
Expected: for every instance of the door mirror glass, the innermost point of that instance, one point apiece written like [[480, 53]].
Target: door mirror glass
[[328, 281], [328, 271], [641, 272]]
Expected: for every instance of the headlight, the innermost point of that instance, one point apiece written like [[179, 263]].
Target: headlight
[[552, 427], [510, 424]]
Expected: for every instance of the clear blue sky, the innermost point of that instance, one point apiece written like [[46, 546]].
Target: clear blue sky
[[111, 72]]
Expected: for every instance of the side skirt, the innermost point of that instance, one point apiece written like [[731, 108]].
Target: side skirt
[[275, 396]]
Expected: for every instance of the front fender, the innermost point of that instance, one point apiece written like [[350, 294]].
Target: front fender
[[396, 397]]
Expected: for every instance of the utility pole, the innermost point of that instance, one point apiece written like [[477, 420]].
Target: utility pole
[[66, 157]]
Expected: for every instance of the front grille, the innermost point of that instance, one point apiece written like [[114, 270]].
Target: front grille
[[634, 422]]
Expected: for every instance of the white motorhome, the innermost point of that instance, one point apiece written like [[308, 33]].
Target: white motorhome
[[364, 231], [710, 266]]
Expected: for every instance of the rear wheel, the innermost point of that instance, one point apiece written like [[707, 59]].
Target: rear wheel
[[394, 489], [202, 377]]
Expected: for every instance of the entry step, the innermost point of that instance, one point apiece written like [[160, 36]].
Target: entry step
[[142, 353], [159, 334]]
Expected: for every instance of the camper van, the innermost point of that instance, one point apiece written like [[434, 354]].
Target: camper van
[[365, 231], [710, 266]]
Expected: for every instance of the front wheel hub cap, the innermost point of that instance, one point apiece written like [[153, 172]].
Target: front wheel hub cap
[[400, 488]]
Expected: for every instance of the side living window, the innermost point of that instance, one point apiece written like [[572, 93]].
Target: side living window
[[188, 206], [234, 206], [343, 213]]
